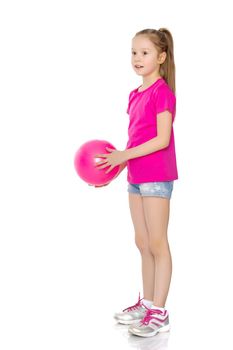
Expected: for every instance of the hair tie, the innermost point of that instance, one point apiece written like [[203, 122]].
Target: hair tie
[[161, 32]]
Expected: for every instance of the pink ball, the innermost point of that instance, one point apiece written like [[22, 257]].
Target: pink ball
[[84, 163]]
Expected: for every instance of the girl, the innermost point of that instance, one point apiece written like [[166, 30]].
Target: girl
[[150, 158]]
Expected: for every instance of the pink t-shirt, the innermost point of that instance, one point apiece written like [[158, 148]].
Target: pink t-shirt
[[143, 108]]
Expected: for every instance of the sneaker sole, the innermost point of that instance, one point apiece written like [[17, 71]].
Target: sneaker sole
[[127, 322], [161, 330]]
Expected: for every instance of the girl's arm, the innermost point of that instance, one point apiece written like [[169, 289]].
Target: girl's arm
[[162, 140], [121, 167]]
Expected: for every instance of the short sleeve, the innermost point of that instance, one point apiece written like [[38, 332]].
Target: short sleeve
[[165, 101], [130, 98], [127, 110]]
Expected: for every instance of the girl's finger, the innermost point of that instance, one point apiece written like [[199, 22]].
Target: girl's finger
[[103, 166], [108, 171], [101, 162], [100, 155]]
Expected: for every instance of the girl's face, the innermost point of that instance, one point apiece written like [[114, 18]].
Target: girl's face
[[145, 58]]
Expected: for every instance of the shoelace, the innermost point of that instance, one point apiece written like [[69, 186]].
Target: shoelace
[[150, 315], [134, 307]]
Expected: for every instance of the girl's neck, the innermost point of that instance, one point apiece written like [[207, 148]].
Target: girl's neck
[[148, 81]]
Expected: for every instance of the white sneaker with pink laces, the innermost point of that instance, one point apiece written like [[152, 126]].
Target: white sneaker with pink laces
[[132, 313], [154, 321]]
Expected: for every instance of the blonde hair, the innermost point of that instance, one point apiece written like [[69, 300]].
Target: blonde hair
[[163, 41]]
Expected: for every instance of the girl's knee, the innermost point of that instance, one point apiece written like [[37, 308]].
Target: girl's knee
[[142, 244], [158, 246]]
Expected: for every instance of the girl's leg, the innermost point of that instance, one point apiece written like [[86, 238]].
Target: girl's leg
[[142, 242], [156, 211]]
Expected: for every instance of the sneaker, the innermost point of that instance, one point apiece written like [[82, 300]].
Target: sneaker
[[132, 314], [154, 321]]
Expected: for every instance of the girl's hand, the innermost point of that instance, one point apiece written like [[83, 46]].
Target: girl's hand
[[112, 159], [101, 185], [98, 185]]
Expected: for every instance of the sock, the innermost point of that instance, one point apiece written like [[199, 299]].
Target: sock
[[148, 303], [157, 307]]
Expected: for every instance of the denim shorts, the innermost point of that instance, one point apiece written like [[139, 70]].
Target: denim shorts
[[159, 189]]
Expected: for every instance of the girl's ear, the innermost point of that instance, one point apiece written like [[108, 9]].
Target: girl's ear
[[162, 57]]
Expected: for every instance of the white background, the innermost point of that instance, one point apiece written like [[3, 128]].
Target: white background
[[67, 255]]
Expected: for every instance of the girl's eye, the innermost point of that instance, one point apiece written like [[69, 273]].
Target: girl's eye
[[144, 53]]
